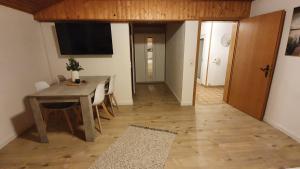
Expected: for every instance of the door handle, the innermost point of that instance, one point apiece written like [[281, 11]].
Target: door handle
[[266, 70]]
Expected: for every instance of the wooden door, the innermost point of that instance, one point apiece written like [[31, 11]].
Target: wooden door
[[254, 62]]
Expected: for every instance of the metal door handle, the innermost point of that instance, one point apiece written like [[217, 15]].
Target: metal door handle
[[266, 70]]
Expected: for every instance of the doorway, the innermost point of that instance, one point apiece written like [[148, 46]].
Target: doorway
[[149, 62], [251, 62], [149, 52], [213, 57]]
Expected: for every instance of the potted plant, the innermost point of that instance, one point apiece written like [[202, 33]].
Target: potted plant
[[74, 67]]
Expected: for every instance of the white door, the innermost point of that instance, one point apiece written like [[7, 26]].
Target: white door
[[149, 57]]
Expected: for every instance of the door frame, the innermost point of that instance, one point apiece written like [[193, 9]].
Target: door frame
[[233, 44], [196, 62], [200, 59], [132, 59], [197, 57]]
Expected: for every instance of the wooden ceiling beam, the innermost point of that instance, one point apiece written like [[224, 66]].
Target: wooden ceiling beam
[[145, 10], [29, 6], [133, 10]]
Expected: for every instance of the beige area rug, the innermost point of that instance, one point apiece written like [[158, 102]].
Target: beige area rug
[[138, 148]]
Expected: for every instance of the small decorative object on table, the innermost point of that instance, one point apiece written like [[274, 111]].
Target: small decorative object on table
[[74, 67]]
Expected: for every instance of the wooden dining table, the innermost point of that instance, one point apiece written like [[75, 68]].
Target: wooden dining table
[[64, 92]]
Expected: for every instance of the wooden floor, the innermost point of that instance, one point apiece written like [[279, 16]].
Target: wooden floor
[[209, 95], [209, 137]]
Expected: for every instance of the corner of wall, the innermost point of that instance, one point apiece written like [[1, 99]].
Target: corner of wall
[[43, 40], [282, 128], [173, 91]]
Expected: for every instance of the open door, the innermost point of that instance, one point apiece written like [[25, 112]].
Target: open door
[[254, 62]]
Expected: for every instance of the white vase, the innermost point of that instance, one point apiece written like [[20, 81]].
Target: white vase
[[75, 75]]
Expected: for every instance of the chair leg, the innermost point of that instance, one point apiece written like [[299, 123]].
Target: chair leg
[[104, 118], [68, 121], [106, 111], [78, 115], [111, 104], [114, 98], [98, 118]]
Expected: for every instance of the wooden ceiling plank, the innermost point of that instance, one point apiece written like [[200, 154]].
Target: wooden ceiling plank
[[29, 6], [132, 10]]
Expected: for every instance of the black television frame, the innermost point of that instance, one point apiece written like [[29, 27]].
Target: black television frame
[[83, 54]]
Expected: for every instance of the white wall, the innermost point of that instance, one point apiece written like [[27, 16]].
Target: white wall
[[218, 54], [181, 47], [22, 63], [190, 50], [140, 59], [213, 32], [175, 38], [283, 105], [206, 34], [118, 63]]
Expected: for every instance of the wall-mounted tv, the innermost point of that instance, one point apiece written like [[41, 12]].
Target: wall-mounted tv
[[84, 38]]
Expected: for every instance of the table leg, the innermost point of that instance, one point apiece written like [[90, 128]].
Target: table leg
[[38, 118], [88, 118]]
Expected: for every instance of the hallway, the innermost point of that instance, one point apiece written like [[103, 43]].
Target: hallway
[[149, 94], [209, 95]]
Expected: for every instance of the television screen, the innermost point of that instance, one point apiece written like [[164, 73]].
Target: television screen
[[84, 38]]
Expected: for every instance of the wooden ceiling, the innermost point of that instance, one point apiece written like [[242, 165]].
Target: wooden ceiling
[[133, 10], [30, 6]]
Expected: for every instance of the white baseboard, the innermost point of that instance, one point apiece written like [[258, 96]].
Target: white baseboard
[[282, 129], [178, 99], [186, 103], [182, 103], [7, 140]]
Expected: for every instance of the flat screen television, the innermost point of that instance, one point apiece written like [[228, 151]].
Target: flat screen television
[[84, 38]]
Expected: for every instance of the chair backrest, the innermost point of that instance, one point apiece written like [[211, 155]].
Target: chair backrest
[[61, 78], [99, 94], [111, 87], [41, 85]]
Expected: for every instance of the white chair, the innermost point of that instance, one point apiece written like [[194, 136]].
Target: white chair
[[52, 107], [99, 100], [41, 85], [110, 94]]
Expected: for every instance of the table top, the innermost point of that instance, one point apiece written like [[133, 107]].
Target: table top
[[84, 89]]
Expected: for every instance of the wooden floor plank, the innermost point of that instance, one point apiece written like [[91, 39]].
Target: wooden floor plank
[[209, 136]]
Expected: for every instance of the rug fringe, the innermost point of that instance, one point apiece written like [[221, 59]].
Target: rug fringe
[[155, 129]]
